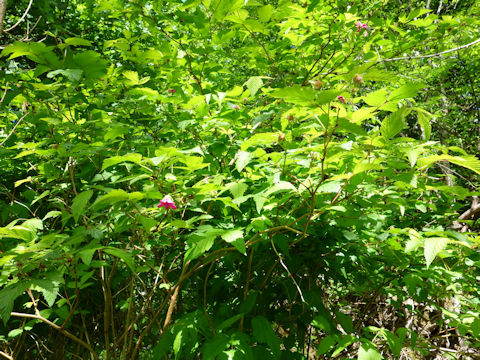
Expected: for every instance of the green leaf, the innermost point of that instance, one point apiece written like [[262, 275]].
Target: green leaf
[[312, 5], [368, 352], [423, 119], [265, 12], [254, 84], [214, 347], [111, 198], [135, 158], [49, 289], [79, 203], [394, 123], [70, 74], [243, 159], [330, 187], [76, 41], [376, 98], [93, 66], [326, 344], [414, 242], [345, 321], [238, 189], [123, 255], [281, 186], [295, 94], [469, 161], [201, 244], [343, 343], [177, 343], [235, 237], [260, 139], [395, 342], [86, 255], [326, 96], [405, 91], [433, 246], [7, 297], [263, 333]]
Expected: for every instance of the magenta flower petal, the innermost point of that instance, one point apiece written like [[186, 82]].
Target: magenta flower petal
[[341, 98], [167, 202]]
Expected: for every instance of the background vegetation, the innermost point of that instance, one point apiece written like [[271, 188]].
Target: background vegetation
[[230, 179]]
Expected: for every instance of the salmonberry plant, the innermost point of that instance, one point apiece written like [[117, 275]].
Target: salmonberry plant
[[230, 179]]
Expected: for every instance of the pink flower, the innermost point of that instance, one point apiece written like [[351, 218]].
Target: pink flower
[[341, 98], [361, 26], [236, 107], [167, 203], [172, 91]]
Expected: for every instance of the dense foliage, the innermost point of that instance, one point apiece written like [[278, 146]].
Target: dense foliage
[[230, 179]]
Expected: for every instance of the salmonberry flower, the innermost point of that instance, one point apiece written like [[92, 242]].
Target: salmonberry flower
[[236, 107], [361, 26], [341, 98], [172, 91], [167, 203]]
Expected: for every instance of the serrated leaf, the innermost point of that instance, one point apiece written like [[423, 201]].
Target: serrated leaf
[[7, 297], [202, 245], [70, 74], [378, 75], [326, 96], [414, 242], [281, 186], [260, 139], [111, 198], [237, 189], [330, 187], [235, 237], [263, 333], [469, 161], [86, 255], [326, 344], [79, 203], [424, 121], [433, 246], [394, 123], [214, 347], [368, 352], [376, 98], [295, 94], [265, 12], [123, 255], [76, 41], [49, 289], [135, 158], [405, 91], [254, 84], [243, 159]]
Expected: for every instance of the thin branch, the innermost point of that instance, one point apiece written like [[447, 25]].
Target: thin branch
[[55, 326], [21, 19], [4, 93], [267, 54], [13, 130], [320, 56], [288, 271], [431, 55]]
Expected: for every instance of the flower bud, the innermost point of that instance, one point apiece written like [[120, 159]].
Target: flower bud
[[317, 85], [358, 79]]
